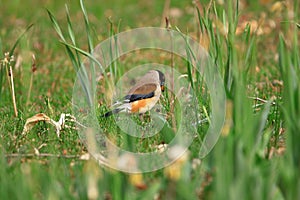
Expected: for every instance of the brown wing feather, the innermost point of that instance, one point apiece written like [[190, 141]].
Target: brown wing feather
[[143, 89]]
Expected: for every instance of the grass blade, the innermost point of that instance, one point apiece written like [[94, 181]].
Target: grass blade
[[11, 52], [56, 25], [87, 27]]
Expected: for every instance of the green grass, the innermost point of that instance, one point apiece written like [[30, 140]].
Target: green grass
[[257, 155]]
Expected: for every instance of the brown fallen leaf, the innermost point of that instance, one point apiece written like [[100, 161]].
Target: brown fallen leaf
[[59, 125], [32, 121]]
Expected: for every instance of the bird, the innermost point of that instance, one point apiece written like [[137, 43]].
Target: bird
[[143, 96]]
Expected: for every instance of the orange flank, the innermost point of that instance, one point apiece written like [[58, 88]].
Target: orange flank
[[140, 105]]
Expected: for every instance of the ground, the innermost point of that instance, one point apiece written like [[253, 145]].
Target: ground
[[253, 45]]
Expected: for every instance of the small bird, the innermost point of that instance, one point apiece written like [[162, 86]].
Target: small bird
[[143, 95]]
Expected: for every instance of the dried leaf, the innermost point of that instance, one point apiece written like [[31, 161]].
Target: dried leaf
[[32, 121], [137, 181], [278, 6], [228, 119]]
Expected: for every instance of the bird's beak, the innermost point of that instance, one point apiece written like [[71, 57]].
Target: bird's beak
[[162, 88]]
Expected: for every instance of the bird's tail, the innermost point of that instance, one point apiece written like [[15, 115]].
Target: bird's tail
[[122, 108], [109, 113]]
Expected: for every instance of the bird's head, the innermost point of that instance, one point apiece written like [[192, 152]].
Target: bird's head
[[161, 80]]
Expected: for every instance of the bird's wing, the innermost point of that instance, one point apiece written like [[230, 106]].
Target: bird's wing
[[143, 92]]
